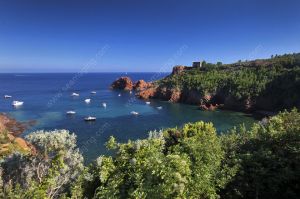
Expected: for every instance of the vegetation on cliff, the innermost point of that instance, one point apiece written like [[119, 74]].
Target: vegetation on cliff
[[188, 162], [267, 84]]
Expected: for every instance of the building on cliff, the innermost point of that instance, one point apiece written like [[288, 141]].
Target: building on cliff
[[197, 64]]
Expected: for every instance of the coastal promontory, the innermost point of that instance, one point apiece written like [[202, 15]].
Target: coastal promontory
[[261, 85]]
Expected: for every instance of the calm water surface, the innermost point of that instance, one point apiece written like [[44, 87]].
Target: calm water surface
[[47, 98]]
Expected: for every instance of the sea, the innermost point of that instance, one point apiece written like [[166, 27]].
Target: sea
[[47, 98]]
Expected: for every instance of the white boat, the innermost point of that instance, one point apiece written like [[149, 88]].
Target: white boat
[[71, 112], [130, 92], [148, 103], [87, 101], [75, 94], [17, 103], [7, 96], [89, 118], [93, 92], [104, 104], [159, 107], [134, 113], [119, 95]]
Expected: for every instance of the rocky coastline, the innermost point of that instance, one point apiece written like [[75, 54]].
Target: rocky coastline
[[207, 102], [10, 131], [149, 90]]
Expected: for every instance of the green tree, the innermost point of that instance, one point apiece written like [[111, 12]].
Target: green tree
[[266, 159], [174, 163]]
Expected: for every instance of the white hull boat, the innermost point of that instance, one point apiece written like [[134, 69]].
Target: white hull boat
[[17, 103], [134, 113], [93, 92], [71, 112], [7, 96], [87, 101], [75, 94], [148, 103], [88, 119], [104, 105], [159, 107]]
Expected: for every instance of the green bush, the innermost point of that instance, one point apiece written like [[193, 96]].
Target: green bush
[[266, 159], [48, 174]]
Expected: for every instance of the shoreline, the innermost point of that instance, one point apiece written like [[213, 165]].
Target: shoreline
[[10, 140], [13, 126], [149, 90]]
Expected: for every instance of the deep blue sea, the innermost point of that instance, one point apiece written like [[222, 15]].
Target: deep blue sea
[[47, 97]]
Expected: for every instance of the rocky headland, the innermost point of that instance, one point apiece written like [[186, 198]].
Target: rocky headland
[[266, 86]]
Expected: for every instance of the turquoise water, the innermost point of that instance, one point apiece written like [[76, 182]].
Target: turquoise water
[[47, 97]]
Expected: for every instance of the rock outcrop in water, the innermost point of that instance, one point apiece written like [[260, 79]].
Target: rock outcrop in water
[[123, 83]]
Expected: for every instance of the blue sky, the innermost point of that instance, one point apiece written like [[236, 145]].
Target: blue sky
[[140, 35]]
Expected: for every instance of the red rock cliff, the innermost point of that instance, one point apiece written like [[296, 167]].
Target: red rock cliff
[[142, 85], [123, 83]]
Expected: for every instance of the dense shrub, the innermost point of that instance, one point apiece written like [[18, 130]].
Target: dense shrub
[[49, 173], [176, 163], [266, 159]]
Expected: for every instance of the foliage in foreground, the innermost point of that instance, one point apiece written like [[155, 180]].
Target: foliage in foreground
[[267, 159], [46, 174], [190, 162], [175, 163]]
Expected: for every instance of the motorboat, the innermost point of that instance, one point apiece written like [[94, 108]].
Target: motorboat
[[148, 103], [104, 104], [159, 107], [75, 94], [90, 118], [93, 92], [17, 103], [119, 95], [134, 113], [130, 92], [87, 101], [71, 112], [7, 96]]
